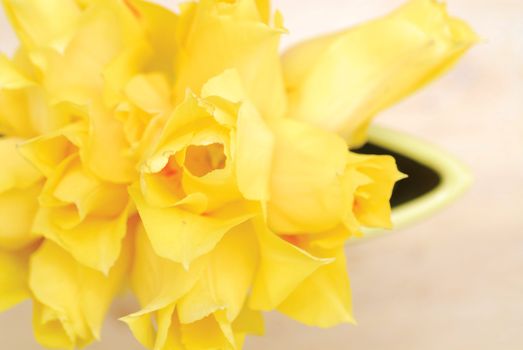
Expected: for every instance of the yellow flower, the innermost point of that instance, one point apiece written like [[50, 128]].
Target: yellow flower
[[188, 196], [70, 300], [340, 81], [181, 155], [202, 307]]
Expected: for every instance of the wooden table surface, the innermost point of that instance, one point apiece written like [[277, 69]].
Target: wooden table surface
[[454, 281]]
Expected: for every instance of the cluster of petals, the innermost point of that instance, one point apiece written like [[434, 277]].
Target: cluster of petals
[[178, 155]]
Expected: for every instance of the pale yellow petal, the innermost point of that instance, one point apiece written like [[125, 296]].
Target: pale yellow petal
[[341, 81]]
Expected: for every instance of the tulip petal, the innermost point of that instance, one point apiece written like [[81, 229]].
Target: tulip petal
[[323, 299], [307, 165], [182, 236], [341, 81], [228, 276]]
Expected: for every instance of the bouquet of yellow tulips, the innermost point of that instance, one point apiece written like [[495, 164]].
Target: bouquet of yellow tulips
[[178, 155]]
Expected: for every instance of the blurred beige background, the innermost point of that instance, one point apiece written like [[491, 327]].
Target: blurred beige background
[[454, 281]]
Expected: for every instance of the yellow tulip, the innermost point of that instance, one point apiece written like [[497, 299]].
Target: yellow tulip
[[216, 35], [340, 81], [181, 155], [71, 300]]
